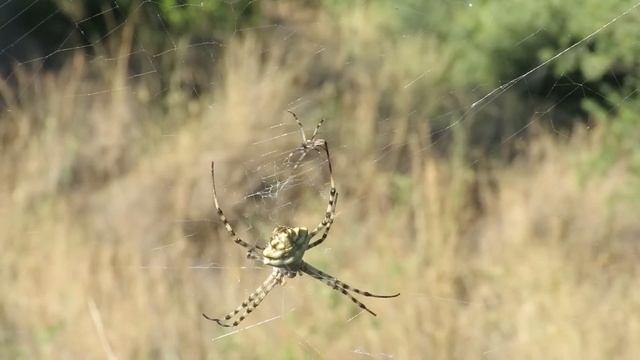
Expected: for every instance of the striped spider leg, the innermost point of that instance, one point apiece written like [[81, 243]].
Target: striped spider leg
[[238, 240], [252, 301], [340, 286], [307, 144], [284, 252]]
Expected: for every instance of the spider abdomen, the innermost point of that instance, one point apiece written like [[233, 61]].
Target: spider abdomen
[[286, 247]]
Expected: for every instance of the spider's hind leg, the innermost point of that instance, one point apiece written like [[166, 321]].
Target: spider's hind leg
[[345, 286], [252, 302], [342, 287], [332, 284]]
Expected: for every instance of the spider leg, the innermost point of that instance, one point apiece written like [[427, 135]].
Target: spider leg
[[306, 268], [304, 154], [346, 286], [251, 303], [307, 144], [255, 302], [315, 132], [325, 145], [252, 254], [223, 218], [331, 209], [327, 228], [304, 137], [303, 148]]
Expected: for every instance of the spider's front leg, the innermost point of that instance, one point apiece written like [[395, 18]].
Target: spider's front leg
[[237, 239], [326, 226], [253, 254], [331, 208]]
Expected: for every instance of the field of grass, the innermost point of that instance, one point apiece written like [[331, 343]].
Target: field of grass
[[109, 246]]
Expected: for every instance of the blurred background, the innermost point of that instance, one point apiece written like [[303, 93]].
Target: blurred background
[[487, 155]]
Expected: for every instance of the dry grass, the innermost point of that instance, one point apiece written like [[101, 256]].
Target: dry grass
[[101, 241]]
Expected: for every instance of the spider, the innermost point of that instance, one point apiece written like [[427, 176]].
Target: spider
[[307, 144], [284, 253]]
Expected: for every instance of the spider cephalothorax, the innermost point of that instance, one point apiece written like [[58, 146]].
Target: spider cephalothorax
[[286, 247]]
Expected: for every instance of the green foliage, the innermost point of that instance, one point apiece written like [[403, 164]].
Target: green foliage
[[484, 44], [206, 18], [488, 43], [499, 40], [496, 41], [622, 133], [159, 25]]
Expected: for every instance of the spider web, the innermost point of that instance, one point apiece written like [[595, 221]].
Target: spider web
[[259, 186]]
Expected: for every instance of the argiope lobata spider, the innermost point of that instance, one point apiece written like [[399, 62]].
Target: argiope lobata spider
[[284, 253], [308, 144]]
